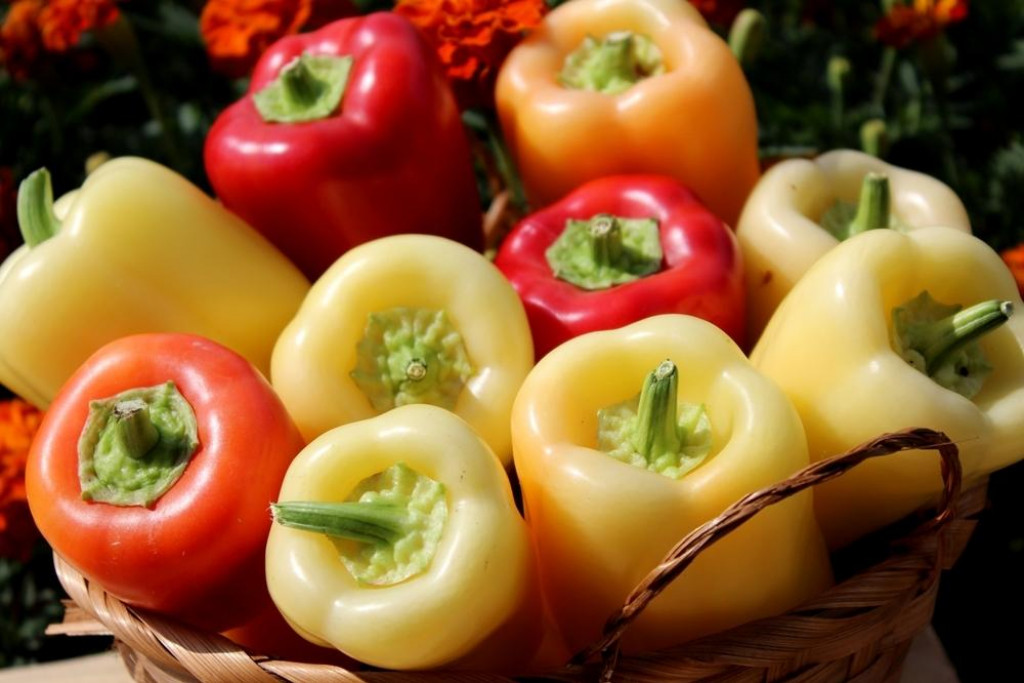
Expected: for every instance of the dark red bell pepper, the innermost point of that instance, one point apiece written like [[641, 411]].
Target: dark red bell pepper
[[620, 249], [358, 139]]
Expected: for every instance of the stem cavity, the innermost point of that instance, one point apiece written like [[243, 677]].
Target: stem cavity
[[654, 431], [942, 340], [388, 529], [873, 211], [411, 355], [605, 250], [136, 445], [612, 64], [309, 88]]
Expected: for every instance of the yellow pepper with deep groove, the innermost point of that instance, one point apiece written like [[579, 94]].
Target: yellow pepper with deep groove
[[406, 319], [137, 249], [611, 481], [398, 542], [802, 208], [882, 334]]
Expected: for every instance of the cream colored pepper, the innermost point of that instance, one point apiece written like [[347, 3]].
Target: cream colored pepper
[[780, 230], [837, 348], [137, 249]]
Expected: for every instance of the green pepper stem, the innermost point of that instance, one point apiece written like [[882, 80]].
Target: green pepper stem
[[606, 240], [299, 84], [657, 430], [874, 206], [874, 137], [612, 64], [36, 218], [746, 35], [376, 523], [944, 337], [135, 427], [416, 369]]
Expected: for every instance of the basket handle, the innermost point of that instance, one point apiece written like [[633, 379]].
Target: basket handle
[[693, 544]]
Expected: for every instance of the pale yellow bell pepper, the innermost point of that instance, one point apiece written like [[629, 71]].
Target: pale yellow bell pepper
[[800, 209], [846, 348], [398, 542], [604, 503], [137, 249], [406, 319]]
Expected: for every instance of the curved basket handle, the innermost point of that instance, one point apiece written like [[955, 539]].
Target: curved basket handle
[[686, 551]]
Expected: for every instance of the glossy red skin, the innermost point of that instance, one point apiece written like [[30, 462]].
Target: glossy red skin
[[701, 273], [393, 158], [198, 554]]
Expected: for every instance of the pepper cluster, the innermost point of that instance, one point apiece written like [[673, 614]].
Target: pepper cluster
[[328, 342]]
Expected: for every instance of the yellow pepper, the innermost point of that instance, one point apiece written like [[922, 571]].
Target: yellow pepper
[[406, 319], [861, 351], [604, 87], [611, 481], [136, 249], [398, 542], [802, 208]]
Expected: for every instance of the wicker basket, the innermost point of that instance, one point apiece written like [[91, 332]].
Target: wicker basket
[[859, 630]]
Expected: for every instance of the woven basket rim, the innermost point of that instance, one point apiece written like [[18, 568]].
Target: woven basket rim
[[903, 583]]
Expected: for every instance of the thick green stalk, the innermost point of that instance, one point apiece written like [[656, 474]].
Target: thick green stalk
[[36, 218], [657, 424], [945, 337], [376, 523]]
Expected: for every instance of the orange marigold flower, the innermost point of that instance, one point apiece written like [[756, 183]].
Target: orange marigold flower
[[20, 43], [472, 38], [919, 21], [62, 22], [237, 32], [1014, 259], [18, 425], [720, 12]]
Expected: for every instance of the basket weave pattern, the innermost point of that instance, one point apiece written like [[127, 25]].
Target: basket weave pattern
[[857, 631]]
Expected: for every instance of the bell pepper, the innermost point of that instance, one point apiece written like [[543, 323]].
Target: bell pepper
[[148, 477], [346, 134], [620, 249], [802, 208], [606, 87], [136, 249], [406, 319], [397, 541], [612, 480], [862, 350]]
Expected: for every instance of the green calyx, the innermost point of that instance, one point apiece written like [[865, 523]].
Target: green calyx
[[942, 340], [605, 251], [36, 218], [653, 430], [612, 64], [411, 355], [872, 212], [310, 87], [386, 531], [136, 445]]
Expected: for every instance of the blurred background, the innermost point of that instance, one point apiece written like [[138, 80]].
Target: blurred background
[[932, 85]]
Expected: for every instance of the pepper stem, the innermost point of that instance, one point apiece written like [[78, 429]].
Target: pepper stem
[[606, 240], [135, 428], [612, 64], [36, 218], [657, 430], [308, 88], [747, 35], [945, 337], [874, 206], [367, 522]]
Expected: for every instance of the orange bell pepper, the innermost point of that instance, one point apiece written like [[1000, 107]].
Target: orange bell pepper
[[605, 87]]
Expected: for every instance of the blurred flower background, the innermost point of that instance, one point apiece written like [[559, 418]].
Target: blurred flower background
[[931, 85]]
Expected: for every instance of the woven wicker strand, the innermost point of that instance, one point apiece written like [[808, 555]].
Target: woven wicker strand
[[857, 631]]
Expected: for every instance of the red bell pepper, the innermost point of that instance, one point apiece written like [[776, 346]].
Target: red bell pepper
[[620, 249], [347, 134], [153, 472]]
